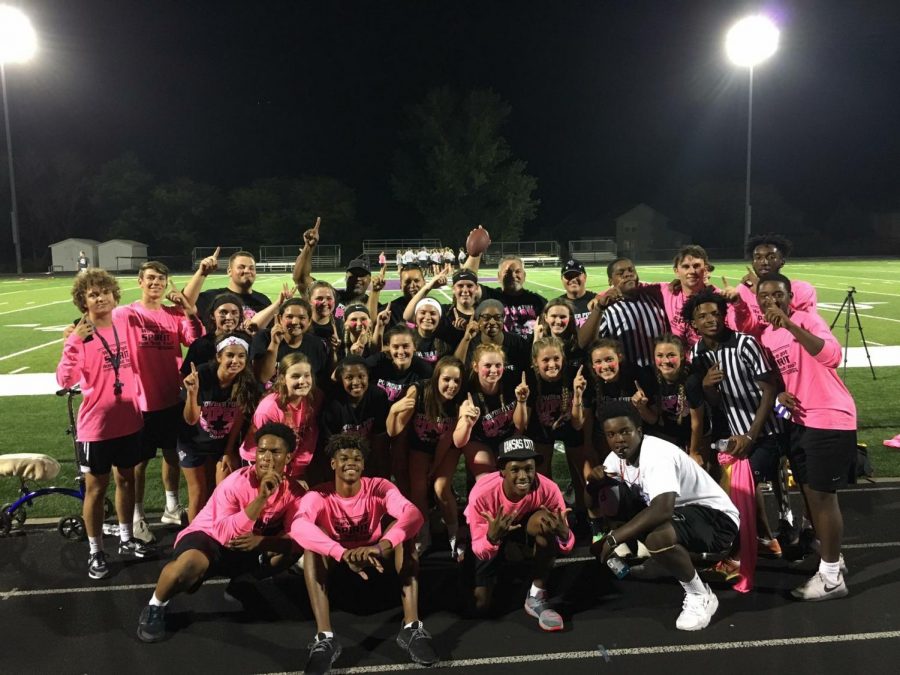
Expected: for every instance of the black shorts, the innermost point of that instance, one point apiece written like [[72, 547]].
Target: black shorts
[[764, 457], [823, 459], [487, 571], [191, 457], [223, 562], [160, 430], [701, 529], [99, 457]]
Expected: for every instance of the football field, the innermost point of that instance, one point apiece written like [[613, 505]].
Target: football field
[[34, 311]]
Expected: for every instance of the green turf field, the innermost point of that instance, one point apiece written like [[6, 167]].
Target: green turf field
[[34, 311]]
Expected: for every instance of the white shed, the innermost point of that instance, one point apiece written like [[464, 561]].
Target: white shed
[[122, 255], [64, 254]]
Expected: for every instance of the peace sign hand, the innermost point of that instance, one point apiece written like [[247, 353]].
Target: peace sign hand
[[522, 390], [359, 346], [750, 279], [500, 525], [287, 292], [730, 292]]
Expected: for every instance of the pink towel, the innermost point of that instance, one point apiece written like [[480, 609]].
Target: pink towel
[[742, 491]]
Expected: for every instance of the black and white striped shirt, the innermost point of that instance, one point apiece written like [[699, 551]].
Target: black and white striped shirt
[[635, 322], [743, 362]]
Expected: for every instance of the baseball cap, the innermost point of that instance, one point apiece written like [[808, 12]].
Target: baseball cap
[[359, 264], [465, 275], [573, 265], [518, 448]]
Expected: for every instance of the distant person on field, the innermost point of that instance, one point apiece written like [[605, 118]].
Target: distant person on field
[[83, 261], [97, 356], [241, 273]]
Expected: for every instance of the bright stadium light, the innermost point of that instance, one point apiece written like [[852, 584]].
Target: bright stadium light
[[18, 43], [748, 43]]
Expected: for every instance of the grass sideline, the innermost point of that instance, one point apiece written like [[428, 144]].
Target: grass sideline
[[33, 312]]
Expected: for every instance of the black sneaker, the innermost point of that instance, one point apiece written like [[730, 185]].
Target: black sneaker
[[322, 653], [135, 548], [417, 643], [152, 624], [97, 568]]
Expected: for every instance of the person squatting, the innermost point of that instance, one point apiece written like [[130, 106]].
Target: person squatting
[[317, 432]]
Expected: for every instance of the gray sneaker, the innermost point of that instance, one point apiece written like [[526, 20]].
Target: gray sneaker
[[818, 588], [97, 567], [135, 549], [178, 516], [141, 531], [548, 619]]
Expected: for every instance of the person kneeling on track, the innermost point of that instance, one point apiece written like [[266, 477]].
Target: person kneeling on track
[[239, 531], [684, 511], [517, 502], [340, 522]]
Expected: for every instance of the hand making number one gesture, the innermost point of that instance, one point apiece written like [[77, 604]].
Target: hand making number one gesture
[[522, 390]]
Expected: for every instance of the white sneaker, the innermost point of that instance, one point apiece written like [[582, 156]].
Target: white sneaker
[[818, 588], [111, 529], [141, 531], [176, 517], [697, 610]]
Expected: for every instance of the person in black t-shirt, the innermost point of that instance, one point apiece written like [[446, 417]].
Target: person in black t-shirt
[[487, 328], [290, 333], [574, 278], [427, 417], [225, 315], [558, 320], [217, 398], [679, 399], [429, 347], [358, 407], [241, 273], [357, 280], [412, 279], [456, 315], [521, 307]]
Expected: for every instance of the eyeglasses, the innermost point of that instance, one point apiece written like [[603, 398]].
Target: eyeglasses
[[497, 318]]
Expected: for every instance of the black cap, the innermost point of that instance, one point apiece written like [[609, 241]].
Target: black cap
[[573, 265], [465, 275], [518, 448], [359, 264]]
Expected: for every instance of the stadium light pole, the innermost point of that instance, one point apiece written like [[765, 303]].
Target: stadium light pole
[[748, 43], [18, 43]]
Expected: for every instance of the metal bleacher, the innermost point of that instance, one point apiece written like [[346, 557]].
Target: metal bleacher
[[281, 257], [532, 253], [593, 250]]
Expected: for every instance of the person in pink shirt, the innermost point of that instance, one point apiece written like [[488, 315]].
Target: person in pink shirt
[[518, 503], [240, 530], [823, 432], [98, 357], [160, 331], [296, 402], [339, 528]]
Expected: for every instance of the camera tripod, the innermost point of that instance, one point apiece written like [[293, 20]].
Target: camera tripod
[[850, 305]]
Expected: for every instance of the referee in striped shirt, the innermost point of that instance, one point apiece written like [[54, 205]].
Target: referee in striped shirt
[[739, 380], [629, 312]]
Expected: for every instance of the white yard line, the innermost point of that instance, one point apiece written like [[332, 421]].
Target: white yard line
[[19, 370], [30, 349]]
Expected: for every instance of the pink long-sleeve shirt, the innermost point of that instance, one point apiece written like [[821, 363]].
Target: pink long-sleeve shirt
[[102, 415], [159, 334], [329, 524], [823, 401], [674, 302], [224, 518], [487, 497], [751, 319], [303, 418]]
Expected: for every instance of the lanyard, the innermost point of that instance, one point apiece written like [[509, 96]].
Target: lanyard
[[114, 359]]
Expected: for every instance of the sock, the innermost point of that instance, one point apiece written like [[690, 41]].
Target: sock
[[96, 544], [695, 585], [411, 624], [536, 592], [596, 525], [325, 635], [124, 531], [831, 571], [156, 602], [171, 500], [139, 511]]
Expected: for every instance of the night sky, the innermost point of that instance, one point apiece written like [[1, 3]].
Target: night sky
[[613, 103]]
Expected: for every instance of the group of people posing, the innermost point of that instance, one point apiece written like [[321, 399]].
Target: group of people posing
[[319, 431]]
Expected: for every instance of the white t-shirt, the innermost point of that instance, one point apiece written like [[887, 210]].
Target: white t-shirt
[[664, 467]]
